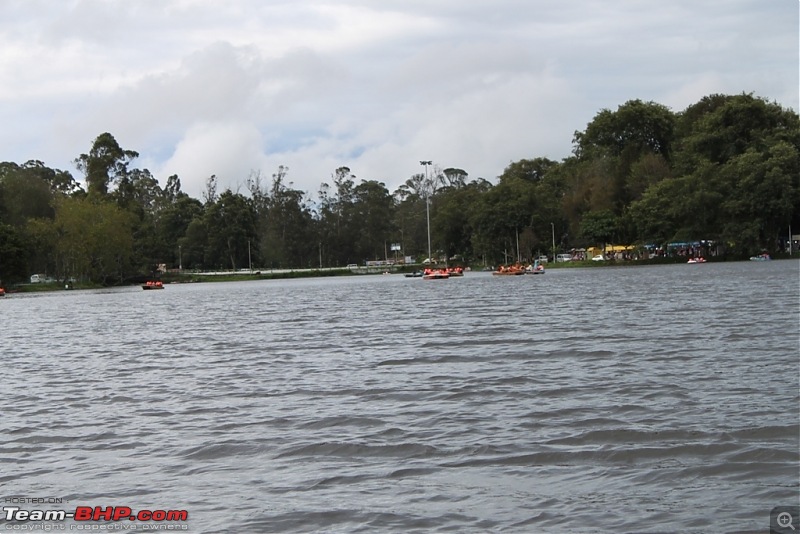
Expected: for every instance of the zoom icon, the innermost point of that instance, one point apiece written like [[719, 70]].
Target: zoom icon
[[784, 519]]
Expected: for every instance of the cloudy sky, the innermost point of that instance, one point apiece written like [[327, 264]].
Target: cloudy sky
[[202, 87]]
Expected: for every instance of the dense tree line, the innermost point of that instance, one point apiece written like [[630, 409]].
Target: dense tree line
[[725, 169]]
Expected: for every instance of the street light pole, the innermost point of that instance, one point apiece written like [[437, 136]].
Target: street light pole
[[427, 206], [553, 228]]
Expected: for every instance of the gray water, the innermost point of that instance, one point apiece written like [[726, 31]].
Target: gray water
[[638, 399]]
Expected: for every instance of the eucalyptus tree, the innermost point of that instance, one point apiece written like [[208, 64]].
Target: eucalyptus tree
[[210, 194], [340, 231], [172, 190], [173, 224], [230, 223], [285, 235], [409, 218], [194, 249], [415, 201], [451, 221], [105, 162], [373, 216], [455, 177]]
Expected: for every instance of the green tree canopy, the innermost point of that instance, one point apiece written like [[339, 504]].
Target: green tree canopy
[[105, 162]]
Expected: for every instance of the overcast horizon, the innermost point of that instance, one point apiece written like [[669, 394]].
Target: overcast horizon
[[199, 88]]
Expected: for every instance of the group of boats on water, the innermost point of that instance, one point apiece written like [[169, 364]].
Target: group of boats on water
[[443, 273], [761, 257], [439, 273], [518, 269]]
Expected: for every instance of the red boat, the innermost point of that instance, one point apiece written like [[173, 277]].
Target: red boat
[[435, 274], [511, 270], [153, 284]]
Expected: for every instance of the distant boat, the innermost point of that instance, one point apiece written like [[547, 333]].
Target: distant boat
[[435, 274], [696, 260], [535, 268], [415, 274], [153, 284], [761, 257], [512, 270]]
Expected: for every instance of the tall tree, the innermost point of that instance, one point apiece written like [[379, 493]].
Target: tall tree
[[23, 195], [599, 227], [455, 177], [105, 162], [60, 182], [373, 209], [641, 127], [95, 239], [173, 225], [231, 224], [616, 140], [12, 255]]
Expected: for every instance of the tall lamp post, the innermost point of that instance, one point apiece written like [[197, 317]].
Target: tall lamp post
[[427, 206], [553, 228]]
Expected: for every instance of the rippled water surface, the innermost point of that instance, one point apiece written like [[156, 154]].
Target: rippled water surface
[[644, 399]]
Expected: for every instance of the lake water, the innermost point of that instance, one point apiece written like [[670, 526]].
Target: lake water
[[637, 399]]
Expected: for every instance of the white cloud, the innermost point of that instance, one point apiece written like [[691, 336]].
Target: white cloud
[[229, 150], [199, 87]]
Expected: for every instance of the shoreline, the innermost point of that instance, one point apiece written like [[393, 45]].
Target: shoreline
[[282, 274]]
